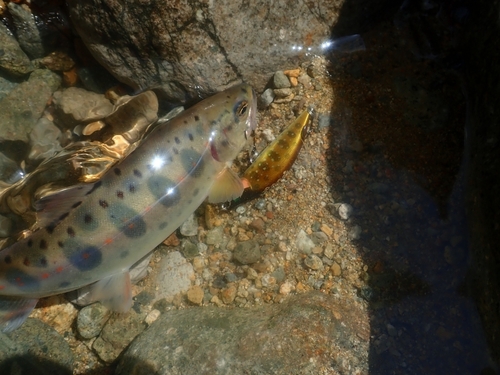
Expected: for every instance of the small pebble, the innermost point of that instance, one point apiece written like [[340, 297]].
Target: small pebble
[[336, 270], [292, 72], [258, 225], [267, 98], [286, 288], [304, 243], [241, 209], [345, 211], [280, 80], [247, 252], [282, 93], [228, 294], [324, 120], [195, 295], [313, 262], [355, 232], [327, 230], [152, 316], [190, 226]]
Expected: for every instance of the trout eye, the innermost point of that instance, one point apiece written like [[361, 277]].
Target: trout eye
[[242, 108]]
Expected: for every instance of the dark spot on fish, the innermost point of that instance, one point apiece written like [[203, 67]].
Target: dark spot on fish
[[136, 227], [229, 128], [22, 280], [164, 190], [162, 225], [64, 284], [50, 228], [177, 140], [176, 151], [96, 186], [60, 244], [191, 138], [103, 203], [86, 259], [137, 173], [131, 188], [77, 203], [70, 231], [196, 118], [43, 262], [170, 159], [63, 216], [195, 192], [43, 244], [192, 162], [87, 218], [8, 259], [190, 201], [225, 143], [118, 171], [185, 122], [29, 243], [124, 254], [26, 262], [119, 194]]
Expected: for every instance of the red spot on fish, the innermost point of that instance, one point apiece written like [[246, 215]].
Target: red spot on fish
[[59, 269], [2, 287], [26, 262], [131, 226], [19, 281], [108, 241], [85, 255], [45, 275]]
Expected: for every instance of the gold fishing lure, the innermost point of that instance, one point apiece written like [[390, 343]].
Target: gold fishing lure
[[279, 155]]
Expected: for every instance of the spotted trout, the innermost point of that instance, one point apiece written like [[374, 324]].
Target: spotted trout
[[91, 234]]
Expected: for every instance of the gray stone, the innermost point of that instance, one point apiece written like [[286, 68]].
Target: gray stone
[[21, 109], [280, 81], [313, 262], [270, 339], [214, 236], [304, 243], [282, 93], [345, 211], [12, 58], [190, 49], [189, 249], [27, 33], [6, 86], [247, 252], [266, 98], [35, 348], [174, 276], [91, 319], [118, 332], [44, 140], [75, 105], [190, 226]]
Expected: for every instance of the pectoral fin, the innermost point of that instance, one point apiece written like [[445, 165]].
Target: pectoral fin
[[114, 292], [14, 311], [227, 187]]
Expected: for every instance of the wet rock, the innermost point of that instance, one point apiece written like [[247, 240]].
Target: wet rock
[[91, 319], [21, 109], [324, 120], [228, 295], [35, 348], [195, 48], [10, 172], [267, 98], [304, 243], [27, 32], [345, 211], [214, 236], [175, 276], [247, 252], [58, 61], [313, 262], [280, 81], [6, 86], [282, 93], [13, 60], [355, 232], [270, 339], [189, 227], [75, 105], [44, 140], [336, 270], [195, 295], [189, 249], [118, 332]]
